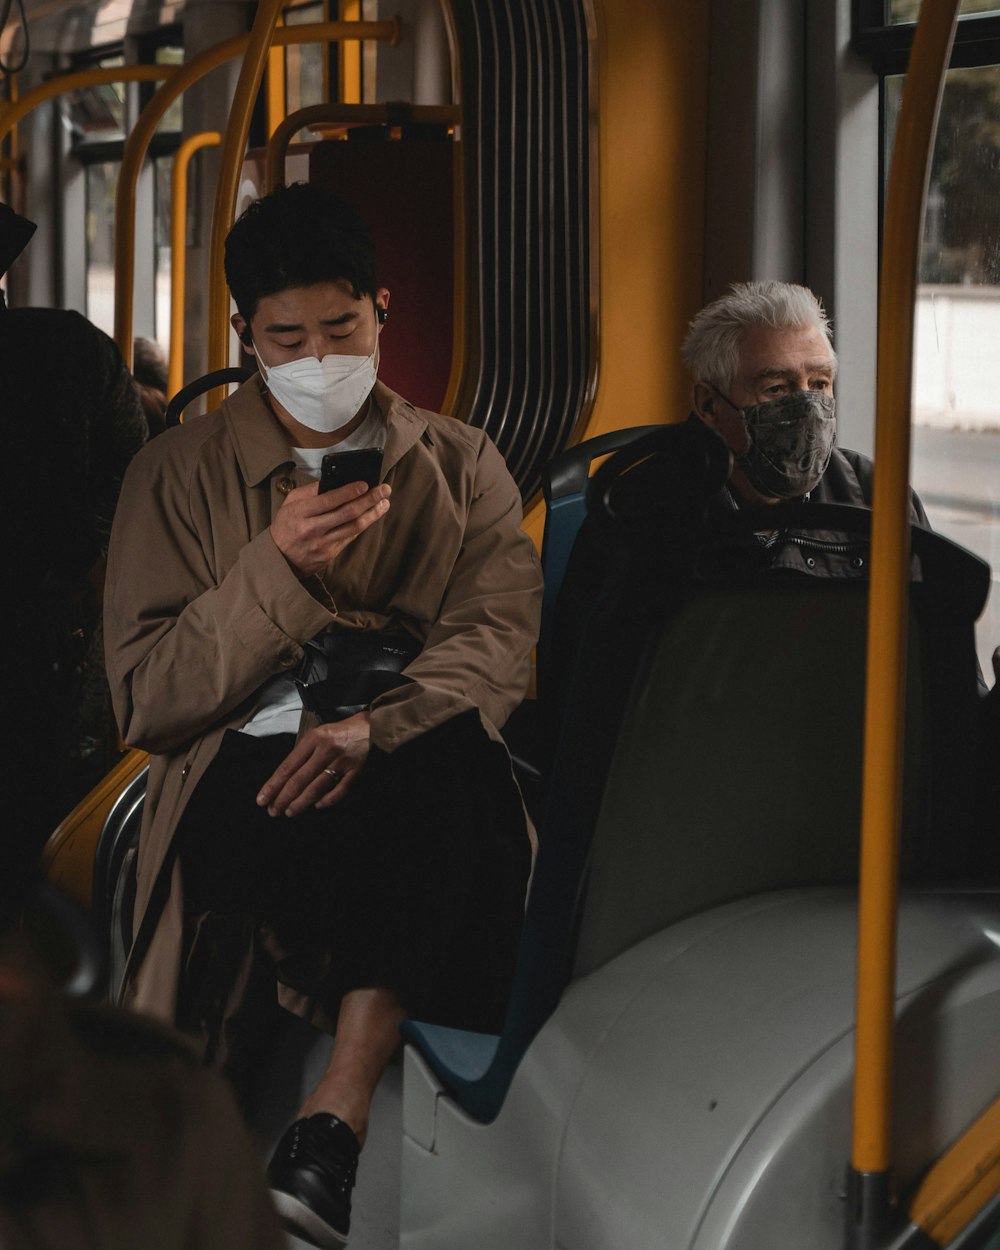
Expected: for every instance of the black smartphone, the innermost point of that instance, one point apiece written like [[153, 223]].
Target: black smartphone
[[339, 468]]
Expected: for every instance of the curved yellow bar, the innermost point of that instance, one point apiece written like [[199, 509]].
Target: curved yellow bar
[[10, 163], [374, 114], [962, 1181], [227, 188], [349, 57], [68, 856], [178, 251], [887, 606], [182, 77], [12, 112]]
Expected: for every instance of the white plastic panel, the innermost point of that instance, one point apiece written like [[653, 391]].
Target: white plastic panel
[[693, 1094], [753, 1026]]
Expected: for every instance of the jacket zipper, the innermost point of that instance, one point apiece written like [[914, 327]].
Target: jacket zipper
[[820, 544]]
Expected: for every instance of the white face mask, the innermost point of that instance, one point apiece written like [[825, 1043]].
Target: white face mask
[[322, 394]]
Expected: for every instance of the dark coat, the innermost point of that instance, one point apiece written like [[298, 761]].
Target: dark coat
[[817, 553]]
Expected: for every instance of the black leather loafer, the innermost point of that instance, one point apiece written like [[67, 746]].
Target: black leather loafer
[[311, 1175]]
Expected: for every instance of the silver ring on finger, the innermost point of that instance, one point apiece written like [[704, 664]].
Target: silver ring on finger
[[330, 772]]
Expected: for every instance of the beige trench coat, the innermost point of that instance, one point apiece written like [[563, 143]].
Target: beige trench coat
[[201, 609]]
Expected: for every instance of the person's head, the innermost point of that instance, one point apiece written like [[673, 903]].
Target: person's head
[[150, 374], [300, 264], [763, 344], [149, 364], [298, 236]]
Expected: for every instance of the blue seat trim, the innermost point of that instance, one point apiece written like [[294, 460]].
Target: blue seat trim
[[563, 519], [564, 486], [456, 1055]]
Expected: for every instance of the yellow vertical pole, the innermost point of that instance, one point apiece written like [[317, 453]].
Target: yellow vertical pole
[[276, 102], [11, 153], [326, 56], [350, 56], [231, 165], [871, 1154], [178, 251]]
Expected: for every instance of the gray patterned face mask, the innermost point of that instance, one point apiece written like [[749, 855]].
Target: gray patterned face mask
[[790, 443]]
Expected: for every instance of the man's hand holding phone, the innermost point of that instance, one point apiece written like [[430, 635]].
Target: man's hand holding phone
[[312, 528]]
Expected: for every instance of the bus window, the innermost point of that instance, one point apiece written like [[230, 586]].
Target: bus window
[[956, 403], [307, 64], [909, 10]]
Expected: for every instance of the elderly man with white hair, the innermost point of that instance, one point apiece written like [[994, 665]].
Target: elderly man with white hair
[[763, 369]]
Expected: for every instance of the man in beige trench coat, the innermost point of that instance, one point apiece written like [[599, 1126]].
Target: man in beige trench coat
[[377, 850]]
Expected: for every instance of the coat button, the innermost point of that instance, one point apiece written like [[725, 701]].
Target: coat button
[[286, 485], [185, 770], [810, 562], [287, 659]]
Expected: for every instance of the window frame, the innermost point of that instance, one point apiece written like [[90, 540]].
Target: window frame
[[164, 143], [887, 46]]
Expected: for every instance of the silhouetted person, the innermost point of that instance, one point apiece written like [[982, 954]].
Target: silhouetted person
[[72, 422]]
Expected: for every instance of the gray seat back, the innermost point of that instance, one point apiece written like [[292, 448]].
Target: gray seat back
[[738, 768]]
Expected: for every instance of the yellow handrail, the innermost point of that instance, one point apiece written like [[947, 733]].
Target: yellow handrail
[[349, 57], [887, 608], [9, 162], [962, 1182], [178, 251], [182, 77], [12, 112], [374, 114], [227, 188], [275, 93]]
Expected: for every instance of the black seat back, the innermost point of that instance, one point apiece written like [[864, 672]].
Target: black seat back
[[738, 767]]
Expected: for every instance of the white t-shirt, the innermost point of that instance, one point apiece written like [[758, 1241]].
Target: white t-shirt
[[279, 706]]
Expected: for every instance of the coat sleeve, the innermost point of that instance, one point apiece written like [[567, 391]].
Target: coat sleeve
[[478, 651], [187, 641]]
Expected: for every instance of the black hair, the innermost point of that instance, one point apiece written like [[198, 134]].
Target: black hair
[[297, 236]]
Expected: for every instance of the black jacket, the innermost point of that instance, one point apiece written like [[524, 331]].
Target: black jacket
[[817, 553]]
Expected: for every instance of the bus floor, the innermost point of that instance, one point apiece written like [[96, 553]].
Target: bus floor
[[298, 1063]]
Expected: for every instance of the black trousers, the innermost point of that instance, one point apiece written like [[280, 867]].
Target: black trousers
[[415, 881]]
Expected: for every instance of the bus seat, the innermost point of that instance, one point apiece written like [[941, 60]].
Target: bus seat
[[405, 190], [564, 488], [528, 734], [608, 636], [765, 683], [669, 678]]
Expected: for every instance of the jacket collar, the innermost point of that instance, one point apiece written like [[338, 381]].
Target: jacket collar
[[262, 445]]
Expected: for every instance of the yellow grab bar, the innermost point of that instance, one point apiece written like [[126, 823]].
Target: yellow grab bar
[[275, 93], [349, 57], [178, 251], [374, 114], [178, 81], [962, 1181], [13, 111], [227, 188], [887, 609], [9, 157]]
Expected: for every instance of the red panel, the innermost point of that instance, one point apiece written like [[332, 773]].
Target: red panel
[[404, 191]]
